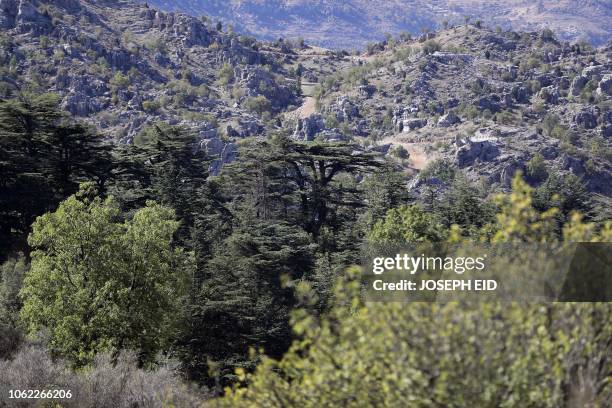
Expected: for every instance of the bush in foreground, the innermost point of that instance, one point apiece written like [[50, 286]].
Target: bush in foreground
[[101, 385]]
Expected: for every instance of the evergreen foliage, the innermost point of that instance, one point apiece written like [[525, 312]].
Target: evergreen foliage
[[444, 354], [42, 160], [243, 276]]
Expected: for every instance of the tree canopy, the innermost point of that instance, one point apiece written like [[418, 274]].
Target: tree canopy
[[100, 284]]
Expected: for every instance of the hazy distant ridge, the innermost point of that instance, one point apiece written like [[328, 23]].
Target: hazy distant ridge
[[353, 23]]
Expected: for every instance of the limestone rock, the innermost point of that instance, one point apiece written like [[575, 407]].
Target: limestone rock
[[343, 109], [605, 86], [483, 151], [587, 118], [307, 128], [578, 85], [550, 94], [81, 105], [448, 120], [490, 102], [508, 172], [366, 91], [412, 124]]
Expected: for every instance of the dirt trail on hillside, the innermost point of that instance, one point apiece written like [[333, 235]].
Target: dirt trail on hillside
[[308, 108], [309, 103], [419, 158]]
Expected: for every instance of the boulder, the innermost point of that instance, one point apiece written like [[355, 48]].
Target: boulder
[[506, 99], [452, 102], [594, 72], [563, 82], [124, 95], [508, 172], [62, 80], [212, 147], [27, 12], [587, 118], [513, 72], [249, 128], [343, 109], [450, 57], [573, 164], [361, 128], [448, 120], [605, 86], [420, 87], [383, 149], [550, 95], [307, 128], [135, 103], [231, 132], [490, 102], [209, 133], [258, 81], [521, 94], [578, 85], [119, 58], [544, 80], [549, 152], [412, 124], [161, 59], [81, 105], [483, 151], [228, 154], [331, 135]]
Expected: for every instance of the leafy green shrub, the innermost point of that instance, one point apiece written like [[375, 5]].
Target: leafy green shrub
[[120, 81], [504, 117], [431, 46], [12, 273], [258, 104], [226, 74], [587, 94], [157, 45], [536, 168], [151, 106], [407, 224], [468, 111], [401, 153]]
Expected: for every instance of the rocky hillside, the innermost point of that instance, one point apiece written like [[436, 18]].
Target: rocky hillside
[[121, 66], [490, 102], [353, 23]]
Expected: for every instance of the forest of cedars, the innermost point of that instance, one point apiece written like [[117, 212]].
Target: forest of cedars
[[108, 247]]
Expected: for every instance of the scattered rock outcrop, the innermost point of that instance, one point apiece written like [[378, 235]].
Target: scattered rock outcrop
[[587, 117], [448, 120], [307, 128], [472, 151], [257, 82], [343, 109], [605, 86]]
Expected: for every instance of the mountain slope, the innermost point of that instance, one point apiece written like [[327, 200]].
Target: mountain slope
[[489, 102], [353, 23]]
